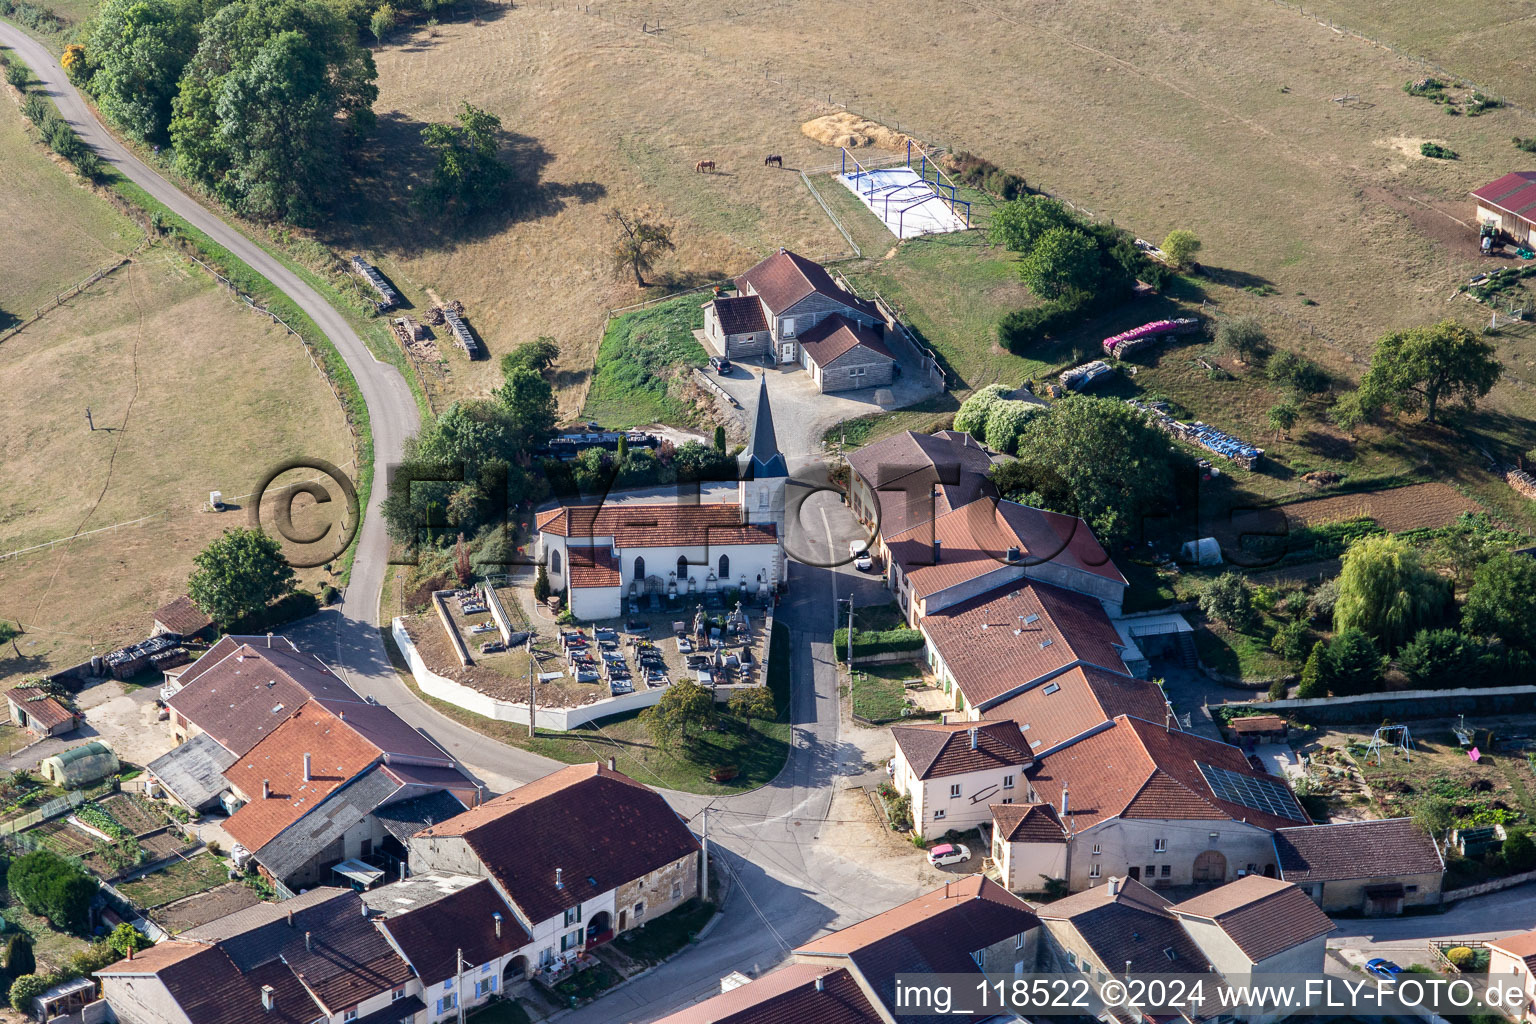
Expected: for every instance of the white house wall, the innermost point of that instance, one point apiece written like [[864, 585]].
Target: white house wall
[[1124, 843]]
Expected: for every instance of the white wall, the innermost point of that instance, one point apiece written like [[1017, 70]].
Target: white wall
[[1023, 864], [971, 808], [1129, 842]]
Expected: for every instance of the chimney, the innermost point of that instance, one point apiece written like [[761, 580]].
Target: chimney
[[1013, 554], [341, 715], [290, 918], [309, 942], [496, 916], [130, 951], [1113, 885], [1063, 801], [269, 639], [306, 767], [821, 985], [974, 730], [365, 909], [613, 764], [937, 550], [268, 998], [559, 878], [266, 793]]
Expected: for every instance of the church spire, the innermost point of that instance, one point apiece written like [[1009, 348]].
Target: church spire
[[763, 456]]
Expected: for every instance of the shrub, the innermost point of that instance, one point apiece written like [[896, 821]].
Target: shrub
[[1290, 641], [52, 887], [881, 641], [1461, 957], [1241, 337], [16, 73], [1520, 852], [975, 410], [1277, 690], [1018, 330], [25, 989], [1528, 145], [1005, 421], [1287, 369], [126, 937], [541, 585], [1180, 247], [1438, 152], [1313, 682], [18, 956], [1229, 598]]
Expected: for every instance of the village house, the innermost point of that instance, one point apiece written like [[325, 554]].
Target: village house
[[1067, 706], [1143, 800], [1374, 867], [1508, 205], [653, 545], [312, 959], [1514, 958], [578, 856], [988, 544], [910, 479], [40, 713], [966, 927], [789, 309], [1247, 927], [1029, 846], [951, 773], [1001, 643]]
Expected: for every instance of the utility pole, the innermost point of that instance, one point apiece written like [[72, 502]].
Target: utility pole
[[531, 660], [88, 421], [704, 861], [458, 984]]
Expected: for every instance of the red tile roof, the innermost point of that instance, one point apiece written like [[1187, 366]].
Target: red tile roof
[[976, 539], [937, 751], [593, 567], [1140, 770], [1356, 849], [338, 754], [918, 477], [1028, 823], [1515, 193], [1522, 947], [1124, 922], [740, 314], [432, 936], [1256, 724], [1262, 916], [40, 707], [835, 336], [785, 278], [988, 659], [643, 525], [1076, 701], [182, 616], [787, 996], [599, 827]]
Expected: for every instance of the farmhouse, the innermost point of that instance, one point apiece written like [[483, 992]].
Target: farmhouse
[[1071, 705], [1374, 867], [1143, 800], [987, 544], [654, 545], [1508, 205], [844, 355], [951, 772], [910, 479], [610, 855]]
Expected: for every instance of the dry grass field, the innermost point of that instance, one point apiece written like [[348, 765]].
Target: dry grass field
[[190, 393]]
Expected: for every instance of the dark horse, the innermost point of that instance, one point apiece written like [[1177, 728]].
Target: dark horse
[[775, 159]]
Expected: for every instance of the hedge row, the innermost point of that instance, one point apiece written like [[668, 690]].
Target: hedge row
[[869, 642]]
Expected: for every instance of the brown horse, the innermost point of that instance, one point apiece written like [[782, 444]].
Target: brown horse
[[704, 165], [773, 158]]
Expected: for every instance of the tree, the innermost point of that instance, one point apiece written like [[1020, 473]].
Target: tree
[[538, 355], [382, 23], [18, 955], [139, 49], [1385, 591], [1434, 815], [52, 887], [1005, 421], [1352, 664], [1115, 466], [125, 938], [1520, 852], [238, 574], [529, 401], [1229, 598], [1282, 417], [1180, 246], [719, 437], [468, 175], [1296, 373], [1241, 337], [1436, 655], [1062, 260], [1290, 641], [541, 585], [1426, 366], [25, 989], [685, 709], [1314, 674], [8, 635], [1019, 224], [1502, 600], [971, 418], [640, 244], [75, 64], [754, 702]]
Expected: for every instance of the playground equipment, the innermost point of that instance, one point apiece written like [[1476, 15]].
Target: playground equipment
[[1390, 736]]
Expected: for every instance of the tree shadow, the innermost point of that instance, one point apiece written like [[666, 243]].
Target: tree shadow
[[1235, 278], [1326, 446], [393, 169], [682, 280]]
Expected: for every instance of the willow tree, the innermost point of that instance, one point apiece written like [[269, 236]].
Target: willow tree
[[1385, 591]]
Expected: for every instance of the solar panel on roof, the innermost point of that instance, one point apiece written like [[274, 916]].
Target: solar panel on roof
[[1260, 794]]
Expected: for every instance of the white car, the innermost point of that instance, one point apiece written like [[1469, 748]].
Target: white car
[[948, 853], [858, 550]]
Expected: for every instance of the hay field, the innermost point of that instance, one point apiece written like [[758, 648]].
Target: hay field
[[600, 117], [65, 232], [190, 393]]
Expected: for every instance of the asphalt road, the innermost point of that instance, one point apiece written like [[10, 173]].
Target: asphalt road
[[791, 883]]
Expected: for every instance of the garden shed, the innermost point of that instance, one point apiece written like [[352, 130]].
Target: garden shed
[[80, 766]]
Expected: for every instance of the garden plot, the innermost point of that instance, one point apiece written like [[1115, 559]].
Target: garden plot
[[210, 905]]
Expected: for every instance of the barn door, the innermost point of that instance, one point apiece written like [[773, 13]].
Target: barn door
[[1210, 866]]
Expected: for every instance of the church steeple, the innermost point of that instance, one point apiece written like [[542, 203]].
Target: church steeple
[[763, 458]]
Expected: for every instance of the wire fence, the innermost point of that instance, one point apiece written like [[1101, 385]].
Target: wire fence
[[70, 292]]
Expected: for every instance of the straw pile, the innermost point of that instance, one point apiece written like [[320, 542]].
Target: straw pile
[[852, 131]]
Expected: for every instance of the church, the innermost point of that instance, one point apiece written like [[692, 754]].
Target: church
[[647, 550]]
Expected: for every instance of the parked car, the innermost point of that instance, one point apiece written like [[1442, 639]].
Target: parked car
[[948, 853], [1382, 968], [720, 364], [863, 562]]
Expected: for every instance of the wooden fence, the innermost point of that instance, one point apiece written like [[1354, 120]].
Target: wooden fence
[[70, 292]]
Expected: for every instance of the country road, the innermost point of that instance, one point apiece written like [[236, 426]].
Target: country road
[[792, 879]]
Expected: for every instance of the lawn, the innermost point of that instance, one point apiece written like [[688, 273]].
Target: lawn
[[757, 749], [878, 692], [181, 879], [1239, 655], [663, 936], [643, 366], [588, 983], [503, 1011]]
